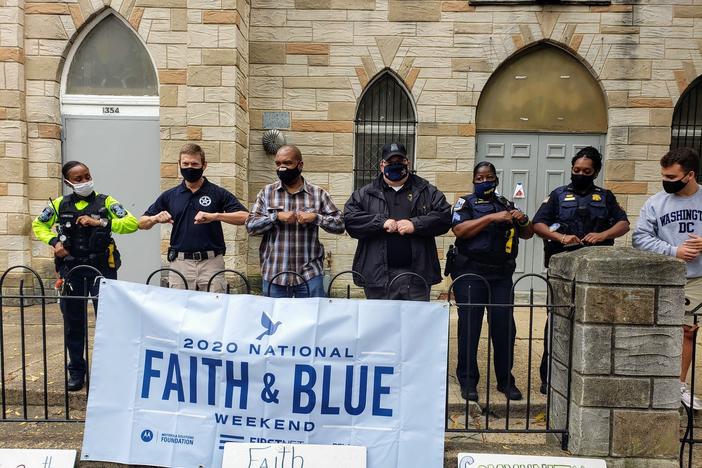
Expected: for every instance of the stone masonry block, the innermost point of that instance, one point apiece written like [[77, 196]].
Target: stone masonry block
[[611, 391], [618, 265], [647, 351], [560, 345], [645, 433], [626, 69], [671, 304], [414, 10], [592, 349], [589, 429], [641, 463], [666, 393], [612, 304]]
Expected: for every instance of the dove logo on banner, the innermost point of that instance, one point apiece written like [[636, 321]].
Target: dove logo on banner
[[177, 375], [268, 324]]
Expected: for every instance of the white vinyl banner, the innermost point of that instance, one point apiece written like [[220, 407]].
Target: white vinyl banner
[[177, 374]]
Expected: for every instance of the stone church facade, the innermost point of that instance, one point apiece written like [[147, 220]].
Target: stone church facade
[[229, 70]]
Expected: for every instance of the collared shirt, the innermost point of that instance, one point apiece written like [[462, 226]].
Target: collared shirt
[[292, 247], [399, 247], [183, 205]]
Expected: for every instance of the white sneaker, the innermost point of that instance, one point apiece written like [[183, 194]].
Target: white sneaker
[[686, 396]]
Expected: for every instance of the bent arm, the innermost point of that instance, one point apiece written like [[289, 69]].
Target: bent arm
[[360, 223], [472, 227], [237, 218], [258, 220]]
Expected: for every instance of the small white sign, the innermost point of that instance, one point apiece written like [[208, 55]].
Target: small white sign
[[519, 191], [292, 456], [37, 458], [482, 460]]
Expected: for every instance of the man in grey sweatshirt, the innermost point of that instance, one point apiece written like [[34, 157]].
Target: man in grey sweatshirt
[[670, 223]]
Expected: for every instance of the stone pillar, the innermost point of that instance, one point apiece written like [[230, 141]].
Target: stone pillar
[[625, 362]]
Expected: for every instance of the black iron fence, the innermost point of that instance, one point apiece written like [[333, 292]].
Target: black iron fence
[[33, 379], [688, 439]]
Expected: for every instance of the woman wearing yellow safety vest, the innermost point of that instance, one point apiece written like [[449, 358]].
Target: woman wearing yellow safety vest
[[84, 222]]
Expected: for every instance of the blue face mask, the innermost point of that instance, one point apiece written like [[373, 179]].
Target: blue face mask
[[395, 171], [485, 189]]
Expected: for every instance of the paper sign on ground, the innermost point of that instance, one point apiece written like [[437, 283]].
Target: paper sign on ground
[[37, 458], [484, 460], [293, 456]]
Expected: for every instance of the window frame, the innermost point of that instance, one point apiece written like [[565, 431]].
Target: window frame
[[412, 152], [86, 104]]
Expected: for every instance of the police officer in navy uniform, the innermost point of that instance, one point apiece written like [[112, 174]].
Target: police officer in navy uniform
[[488, 228], [84, 221], [196, 208], [578, 215]]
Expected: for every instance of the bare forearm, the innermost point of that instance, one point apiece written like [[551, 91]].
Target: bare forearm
[[147, 222], [542, 230], [237, 218], [471, 228], [618, 230]]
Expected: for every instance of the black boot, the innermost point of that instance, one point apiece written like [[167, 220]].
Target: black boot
[[75, 382]]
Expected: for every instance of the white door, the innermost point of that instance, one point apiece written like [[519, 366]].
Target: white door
[[124, 159], [540, 162]]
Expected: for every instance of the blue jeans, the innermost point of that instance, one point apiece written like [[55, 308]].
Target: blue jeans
[[315, 285]]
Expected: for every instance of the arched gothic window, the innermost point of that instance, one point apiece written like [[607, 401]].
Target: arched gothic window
[[385, 114], [111, 61], [686, 130]]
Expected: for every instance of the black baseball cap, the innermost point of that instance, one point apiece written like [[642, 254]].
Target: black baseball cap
[[394, 149]]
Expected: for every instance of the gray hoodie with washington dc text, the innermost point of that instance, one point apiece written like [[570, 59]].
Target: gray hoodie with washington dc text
[[665, 222]]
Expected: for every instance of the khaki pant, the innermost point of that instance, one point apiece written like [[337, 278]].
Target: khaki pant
[[198, 273], [693, 294]]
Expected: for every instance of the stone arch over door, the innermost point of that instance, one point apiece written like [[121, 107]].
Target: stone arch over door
[[535, 112], [686, 128], [386, 112], [110, 120]]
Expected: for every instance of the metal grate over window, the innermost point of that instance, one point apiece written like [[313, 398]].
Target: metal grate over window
[[687, 121], [385, 115]]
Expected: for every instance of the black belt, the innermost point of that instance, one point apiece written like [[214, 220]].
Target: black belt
[[204, 255]]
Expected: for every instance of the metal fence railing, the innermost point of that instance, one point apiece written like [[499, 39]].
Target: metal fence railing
[[688, 439], [33, 357]]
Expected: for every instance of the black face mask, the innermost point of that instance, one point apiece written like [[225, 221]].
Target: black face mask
[[582, 182], [191, 174], [287, 176], [395, 171], [674, 186]]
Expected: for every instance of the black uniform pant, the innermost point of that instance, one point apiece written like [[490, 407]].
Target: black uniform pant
[[82, 282], [470, 322]]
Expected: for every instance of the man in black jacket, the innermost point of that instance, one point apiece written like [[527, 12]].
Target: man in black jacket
[[395, 219]]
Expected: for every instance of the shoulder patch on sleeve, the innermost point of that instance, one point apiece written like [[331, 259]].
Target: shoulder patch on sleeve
[[46, 215], [459, 204], [118, 210]]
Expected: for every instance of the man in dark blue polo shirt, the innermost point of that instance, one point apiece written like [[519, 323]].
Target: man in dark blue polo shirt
[[196, 208]]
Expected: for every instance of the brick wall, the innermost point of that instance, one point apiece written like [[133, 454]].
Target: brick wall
[[201, 52], [222, 64], [312, 59]]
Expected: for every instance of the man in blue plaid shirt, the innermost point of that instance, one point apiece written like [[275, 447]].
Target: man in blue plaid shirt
[[289, 213]]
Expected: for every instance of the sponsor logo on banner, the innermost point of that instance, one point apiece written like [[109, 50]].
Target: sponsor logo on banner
[[182, 373], [485, 460]]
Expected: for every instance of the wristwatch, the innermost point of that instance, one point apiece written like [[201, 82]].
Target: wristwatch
[[273, 215], [103, 223]]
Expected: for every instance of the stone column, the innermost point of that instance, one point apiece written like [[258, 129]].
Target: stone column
[[626, 348]]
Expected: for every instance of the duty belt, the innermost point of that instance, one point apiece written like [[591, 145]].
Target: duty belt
[[199, 256]]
